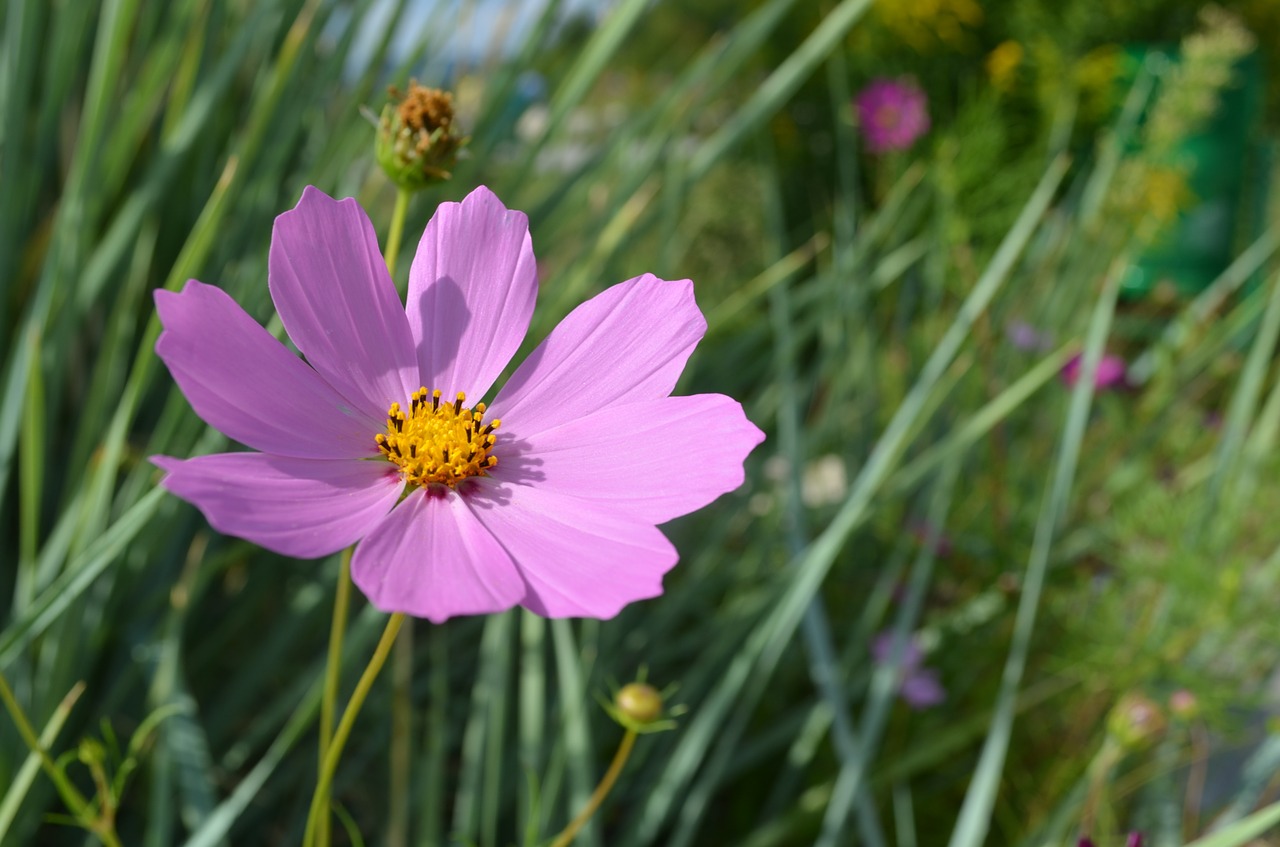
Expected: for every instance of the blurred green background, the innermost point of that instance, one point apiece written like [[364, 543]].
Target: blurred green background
[[1091, 575]]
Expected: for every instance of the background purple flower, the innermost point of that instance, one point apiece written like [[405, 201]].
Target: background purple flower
[[893, 113], [920, 688], [1111, 372], [1024, 336]]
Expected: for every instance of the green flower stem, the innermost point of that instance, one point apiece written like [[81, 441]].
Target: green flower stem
[[565, 838], [333, 672], [401, 739], [76, 802], [319, 803], [397, 228]]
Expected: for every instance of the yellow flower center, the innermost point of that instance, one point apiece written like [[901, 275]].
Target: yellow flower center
[[438, 443]]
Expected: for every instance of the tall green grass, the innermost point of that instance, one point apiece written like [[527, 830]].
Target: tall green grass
[[1099, 543]]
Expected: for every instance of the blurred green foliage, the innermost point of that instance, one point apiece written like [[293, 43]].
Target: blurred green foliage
[[1100, 551]]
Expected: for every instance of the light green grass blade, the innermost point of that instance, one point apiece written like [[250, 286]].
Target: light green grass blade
[[26, 775], [763, 650], [1243, 831], [1241, 413], [780, 85], [975, 814]]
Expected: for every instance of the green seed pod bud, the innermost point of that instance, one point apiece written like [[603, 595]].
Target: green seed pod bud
[[1135, 721], [639, 702], [1184, 705], [641, 708], [91, 752], [418, 141]]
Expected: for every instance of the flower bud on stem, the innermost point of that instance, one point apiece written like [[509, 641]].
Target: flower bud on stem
[[418, 142], [639, 708]]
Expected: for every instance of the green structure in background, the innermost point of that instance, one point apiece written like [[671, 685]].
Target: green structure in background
[[1227, 172]]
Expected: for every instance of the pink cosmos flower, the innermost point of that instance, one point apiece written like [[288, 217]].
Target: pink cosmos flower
[[548, 498], [1111, 372], [893, 113]]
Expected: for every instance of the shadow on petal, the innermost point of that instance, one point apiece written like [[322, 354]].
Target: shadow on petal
[[444, 318]]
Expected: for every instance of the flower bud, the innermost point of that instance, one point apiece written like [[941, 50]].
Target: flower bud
[[91, 752], [1184, 705], [418, 142], [639, 702], [1135, 721], [641, 708]]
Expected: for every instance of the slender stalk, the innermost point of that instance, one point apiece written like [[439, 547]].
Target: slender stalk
[[397, 228], [333, 672], [319, 805], [565, 838], [75, 801], [432, 800], [26, 774], [401, 739], [70, 795]]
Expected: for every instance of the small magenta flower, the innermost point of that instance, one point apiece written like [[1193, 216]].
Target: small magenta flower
[[1133, 839], [548, 498], [920, 688], [1111, 372], [893, 113]]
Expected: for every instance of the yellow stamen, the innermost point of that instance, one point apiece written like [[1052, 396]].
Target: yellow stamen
[[438, 443]]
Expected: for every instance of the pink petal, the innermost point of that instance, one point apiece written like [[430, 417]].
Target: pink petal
[[577, 559], [626, 344], [432, 559], [338, 303], [653, 460], [471, 292], [249, 386], [1110, 373], [297, 507]]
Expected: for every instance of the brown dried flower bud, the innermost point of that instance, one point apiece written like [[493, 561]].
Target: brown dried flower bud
[[418, 139]]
